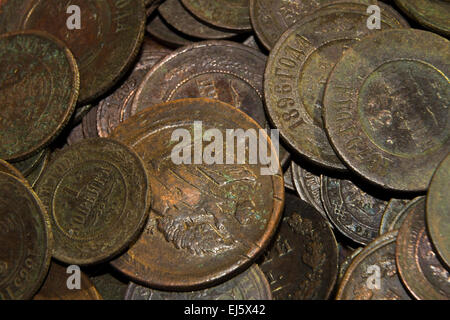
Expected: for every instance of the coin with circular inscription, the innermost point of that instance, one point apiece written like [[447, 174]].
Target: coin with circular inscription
[[211, 215], [377, 258], [249, 285], [160, 30], [302, 261], [97, 195], [39, 84], [354, 212], [5, 167], [104, 46], [227, 14], [419, 267], [394, 214], [438, 205], [26, 240], [386, 107]]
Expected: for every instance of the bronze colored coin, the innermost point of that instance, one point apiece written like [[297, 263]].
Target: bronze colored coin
[[421, 271], [97, 195], [55, 286], [161, 31], [302, 261], [307, 185], [36, 174], [433, 14], [438, 206], [249, 285], [378, 257], [28, 165], [394, 214], [39, 84], [110, 36], [355, 213], [116, 108], [26, 240], [5, 167], [227, 14], [207, 220], [386, 107], [271, 18], [173, 12]]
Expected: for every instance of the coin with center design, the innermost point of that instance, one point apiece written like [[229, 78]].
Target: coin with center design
[[26, 239], [386, 107], [97, 195], [39, 84], [212, 215]]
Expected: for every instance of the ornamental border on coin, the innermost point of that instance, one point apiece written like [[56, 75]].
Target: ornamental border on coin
[[343, 118]]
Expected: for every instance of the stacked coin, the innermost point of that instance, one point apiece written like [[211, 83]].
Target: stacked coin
[[212, 149]]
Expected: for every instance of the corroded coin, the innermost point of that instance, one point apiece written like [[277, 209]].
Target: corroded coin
[[302, 261], [39, 84], [420, 269], [110, 36], [378, 257], [394, 214], [5, 167], [26, 239], [433, 14], [386, 107], [354, 212], [438, 204], [160, 30], [97, 195], [207, 220], [249, 285], [227, 14], [56, 287]]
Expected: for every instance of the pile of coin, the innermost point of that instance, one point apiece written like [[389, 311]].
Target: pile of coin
[[118, 180]]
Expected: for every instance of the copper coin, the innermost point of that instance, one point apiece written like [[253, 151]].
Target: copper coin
[[160, 30], [207, 220], [26, 240], [302, 261], [386, 107], [39, 84], [394, 214], [420, 269]]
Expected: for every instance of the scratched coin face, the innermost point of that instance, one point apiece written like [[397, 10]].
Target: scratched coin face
[[107, 42], [249, 285], [420, 269], [386, 107], [39, 84], [26, 240], [97, 195], [302, 261], [208, 218]]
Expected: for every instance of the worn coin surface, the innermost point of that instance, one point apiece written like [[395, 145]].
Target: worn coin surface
[[420, 269], [249, 285], [110, 36], [39, 84], [378, 256], [208, 219], [438, 204], [160, 30], [354, 212], [26, 239], [97, 195], [394, 214], [386, 107], [302, 261], [227, 14]]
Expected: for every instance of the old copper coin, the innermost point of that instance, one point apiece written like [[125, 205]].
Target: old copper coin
[[302, 261], [55, 286], [227, 14], [5, 167], [394, 214], [175, 14], [207, 220], [386, 107], [420, 269], [271, 18], [160, 30], [110, 36], [39, 84], [249, 285], [354, 212], [378, 256], [97, 195], [433, 14], [438, 218], [26, 239]]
